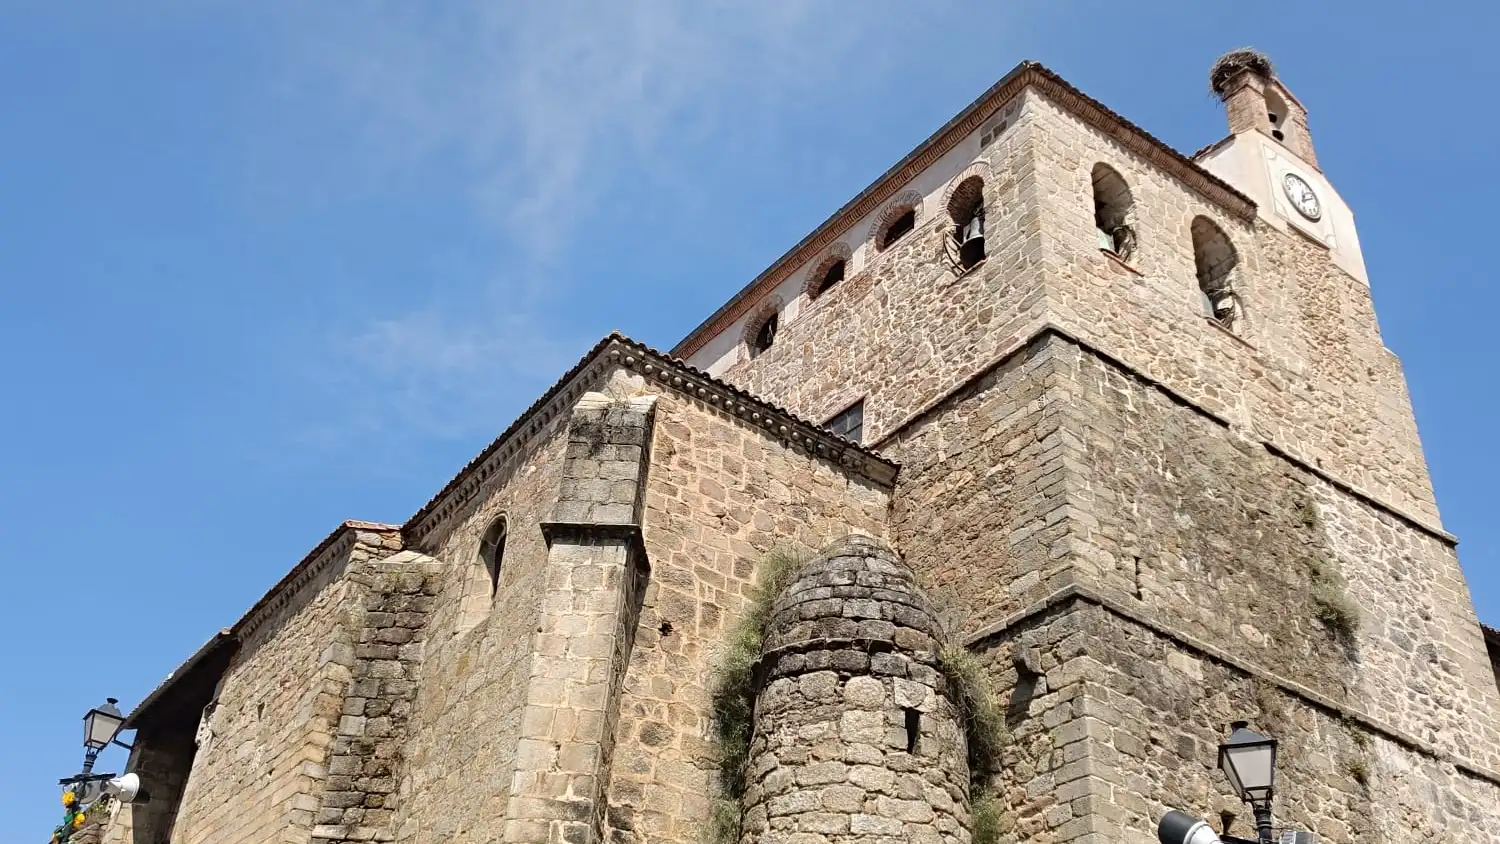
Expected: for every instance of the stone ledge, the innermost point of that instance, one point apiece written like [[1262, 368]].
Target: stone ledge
[[1040, 328], [1077, 592], [587, 533]]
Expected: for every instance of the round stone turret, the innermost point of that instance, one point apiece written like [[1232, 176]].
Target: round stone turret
[[855, 739]]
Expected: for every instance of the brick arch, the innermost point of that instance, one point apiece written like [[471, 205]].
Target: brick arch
[[973, 171], [771, 306], [907, 200], [838, 252], [1217, 262]]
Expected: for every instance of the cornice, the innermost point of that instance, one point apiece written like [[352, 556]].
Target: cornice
[[971, 119], [618, 351], [317, 560]]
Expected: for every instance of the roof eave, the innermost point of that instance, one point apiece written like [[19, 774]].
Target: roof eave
[[141, 712]]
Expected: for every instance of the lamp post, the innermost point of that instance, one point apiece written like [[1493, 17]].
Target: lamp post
[[1248, 759], [100, 726]]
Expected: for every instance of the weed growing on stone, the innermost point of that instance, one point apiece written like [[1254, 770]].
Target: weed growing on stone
[[724, 821], [734, 690], [986, 815], [1358, 770], [983, 718], [1307, 513], [1334, 609], [984, 732]]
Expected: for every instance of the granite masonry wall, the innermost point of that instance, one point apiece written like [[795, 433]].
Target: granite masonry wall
[[261, 775], [384, 654], [905, 328], [466, 719], [1237, 546], [721, 493], [162, 757], [1146, 710], [1304, 367]]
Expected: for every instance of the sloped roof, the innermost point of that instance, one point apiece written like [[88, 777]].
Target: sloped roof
[[676, 374]]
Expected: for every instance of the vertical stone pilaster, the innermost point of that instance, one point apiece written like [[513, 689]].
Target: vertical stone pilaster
[[595, 573], [384, 662]]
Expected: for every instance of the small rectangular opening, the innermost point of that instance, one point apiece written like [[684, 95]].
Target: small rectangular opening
[[913, 729]]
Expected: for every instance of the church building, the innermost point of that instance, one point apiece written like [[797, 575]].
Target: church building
[[976, 518]]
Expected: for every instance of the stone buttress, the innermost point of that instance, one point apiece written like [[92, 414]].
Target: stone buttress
[[596, 571], [855, 738]]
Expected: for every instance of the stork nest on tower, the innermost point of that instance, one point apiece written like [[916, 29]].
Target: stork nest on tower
[[1235, 62]]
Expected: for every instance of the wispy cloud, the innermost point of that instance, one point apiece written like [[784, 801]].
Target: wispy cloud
[[541, 111]]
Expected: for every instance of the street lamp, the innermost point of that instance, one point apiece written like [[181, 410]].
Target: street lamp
[[1248, 759], [100, 726]]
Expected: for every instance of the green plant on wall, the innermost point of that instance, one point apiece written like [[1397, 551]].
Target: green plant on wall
[[734, 691], [984, 731], [1331, 604]]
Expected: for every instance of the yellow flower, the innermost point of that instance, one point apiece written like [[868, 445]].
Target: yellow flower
[[69, 798], [78, 820]]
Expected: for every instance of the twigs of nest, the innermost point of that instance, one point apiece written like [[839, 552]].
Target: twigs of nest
[[1235, 62]]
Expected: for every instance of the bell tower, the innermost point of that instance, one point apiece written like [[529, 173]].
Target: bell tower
[[1269, 157]]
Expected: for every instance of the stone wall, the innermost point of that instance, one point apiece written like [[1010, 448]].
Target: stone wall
[[384, 658], [261, 776], [1061, 470], [721, 493], [983, 499], [905, 328], [466, 719], [1246, 550], [1304, 368], [163, 758]]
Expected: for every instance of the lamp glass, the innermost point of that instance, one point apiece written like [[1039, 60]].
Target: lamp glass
[[101, 724], [1248, 759]]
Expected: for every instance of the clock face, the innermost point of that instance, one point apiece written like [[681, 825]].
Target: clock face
[[1302, 196]]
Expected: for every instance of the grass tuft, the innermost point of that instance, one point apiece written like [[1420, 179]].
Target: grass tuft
[[1335, 610], [734, 691], [1358, 770], [986, 815], [983, 718]]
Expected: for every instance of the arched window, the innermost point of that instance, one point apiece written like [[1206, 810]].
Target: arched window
[[1112, 207], [966, 210], [765, 336], [1215, 259], [897, 228], [492, 551], [830, 276]]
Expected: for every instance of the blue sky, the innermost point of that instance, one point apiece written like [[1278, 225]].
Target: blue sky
[[265, 267]]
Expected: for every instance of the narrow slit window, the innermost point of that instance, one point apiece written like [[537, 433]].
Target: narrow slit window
[[913, 729], [492, 552]]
